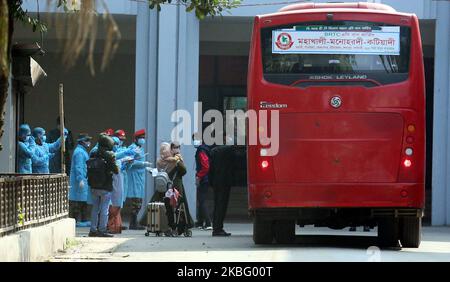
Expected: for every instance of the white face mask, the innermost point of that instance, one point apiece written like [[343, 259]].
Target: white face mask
[[197, 143]]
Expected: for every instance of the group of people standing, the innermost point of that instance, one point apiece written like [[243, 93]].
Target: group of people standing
[[34, 152], [123, 178], [125, 168]]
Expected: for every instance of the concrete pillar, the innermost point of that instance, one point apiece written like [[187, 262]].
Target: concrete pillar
[[441, 133], [146, 82], [167, 65], [188, 76], [8, 154], [178, 67]]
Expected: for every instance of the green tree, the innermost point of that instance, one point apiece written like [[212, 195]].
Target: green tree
[[82, 24]]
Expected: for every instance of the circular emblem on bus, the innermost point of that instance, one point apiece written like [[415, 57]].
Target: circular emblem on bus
[[336, 102], [284, 41]]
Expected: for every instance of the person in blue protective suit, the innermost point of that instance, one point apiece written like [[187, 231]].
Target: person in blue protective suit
[[42, 153], [120, 133], [79, 189], [25, 149], [136, 179], [124, 157]]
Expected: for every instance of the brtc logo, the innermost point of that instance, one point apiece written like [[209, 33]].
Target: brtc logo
[[284, 41]]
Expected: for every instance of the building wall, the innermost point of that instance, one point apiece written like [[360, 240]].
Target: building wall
[[92, 104], [441, 138], [167, 58], [7, 154]]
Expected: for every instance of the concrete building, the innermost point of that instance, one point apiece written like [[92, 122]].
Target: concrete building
[[169, 60]]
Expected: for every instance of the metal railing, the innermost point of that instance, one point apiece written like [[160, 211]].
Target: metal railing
[[29, 200]]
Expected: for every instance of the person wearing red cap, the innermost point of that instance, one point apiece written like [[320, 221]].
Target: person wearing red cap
[[109, 132], [120, 133], [136, 178]]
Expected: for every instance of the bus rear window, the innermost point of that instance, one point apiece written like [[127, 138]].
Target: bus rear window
[[324, 53]]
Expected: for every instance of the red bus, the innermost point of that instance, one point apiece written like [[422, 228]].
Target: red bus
[[350, 81]]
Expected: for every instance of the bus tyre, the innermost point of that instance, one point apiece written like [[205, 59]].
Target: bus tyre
[[411, 232], [262, 231], [284, 231], [388, 232]]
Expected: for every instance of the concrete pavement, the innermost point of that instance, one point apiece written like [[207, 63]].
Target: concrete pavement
[[313, 244]]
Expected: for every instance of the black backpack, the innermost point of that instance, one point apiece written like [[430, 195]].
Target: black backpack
[[97, 172]]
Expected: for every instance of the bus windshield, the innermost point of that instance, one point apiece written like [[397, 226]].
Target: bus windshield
[[336, 53]]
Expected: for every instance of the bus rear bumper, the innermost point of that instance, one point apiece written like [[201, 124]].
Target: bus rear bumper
[[378, 195]]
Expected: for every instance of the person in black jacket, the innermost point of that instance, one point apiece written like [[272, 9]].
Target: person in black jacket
[[221, 179], [202, 160], [101, 195]]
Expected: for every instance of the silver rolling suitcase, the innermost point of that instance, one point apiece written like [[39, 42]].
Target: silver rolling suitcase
[[156, 219]]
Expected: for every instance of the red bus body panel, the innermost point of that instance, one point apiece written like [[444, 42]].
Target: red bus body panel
[[347, 157]]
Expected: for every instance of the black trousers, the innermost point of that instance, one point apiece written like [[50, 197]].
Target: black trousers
[[202, 209], [221, 198], [170, 213]]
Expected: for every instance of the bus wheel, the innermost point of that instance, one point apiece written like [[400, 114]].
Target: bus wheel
[[388, 232], [411, 232], [262, 231], [284, 231]]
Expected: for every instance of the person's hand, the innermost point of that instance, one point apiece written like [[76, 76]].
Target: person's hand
[[81, 185], [178, 157], [197, 181], [171, 159], [130, 152], [31, 141]]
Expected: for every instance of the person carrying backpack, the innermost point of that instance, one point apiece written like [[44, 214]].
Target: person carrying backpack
[[101, 168]]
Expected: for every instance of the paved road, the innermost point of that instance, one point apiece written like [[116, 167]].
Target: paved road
[[313, 244]]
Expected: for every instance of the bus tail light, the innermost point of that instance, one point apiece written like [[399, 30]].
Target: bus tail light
[[407, 163]]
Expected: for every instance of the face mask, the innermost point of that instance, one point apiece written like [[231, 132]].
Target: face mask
[[43, 138], [120, 143], [141, 142], [197, 143]]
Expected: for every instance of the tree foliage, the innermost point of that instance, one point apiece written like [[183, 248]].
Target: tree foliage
[[81, 30], [202, 8]]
